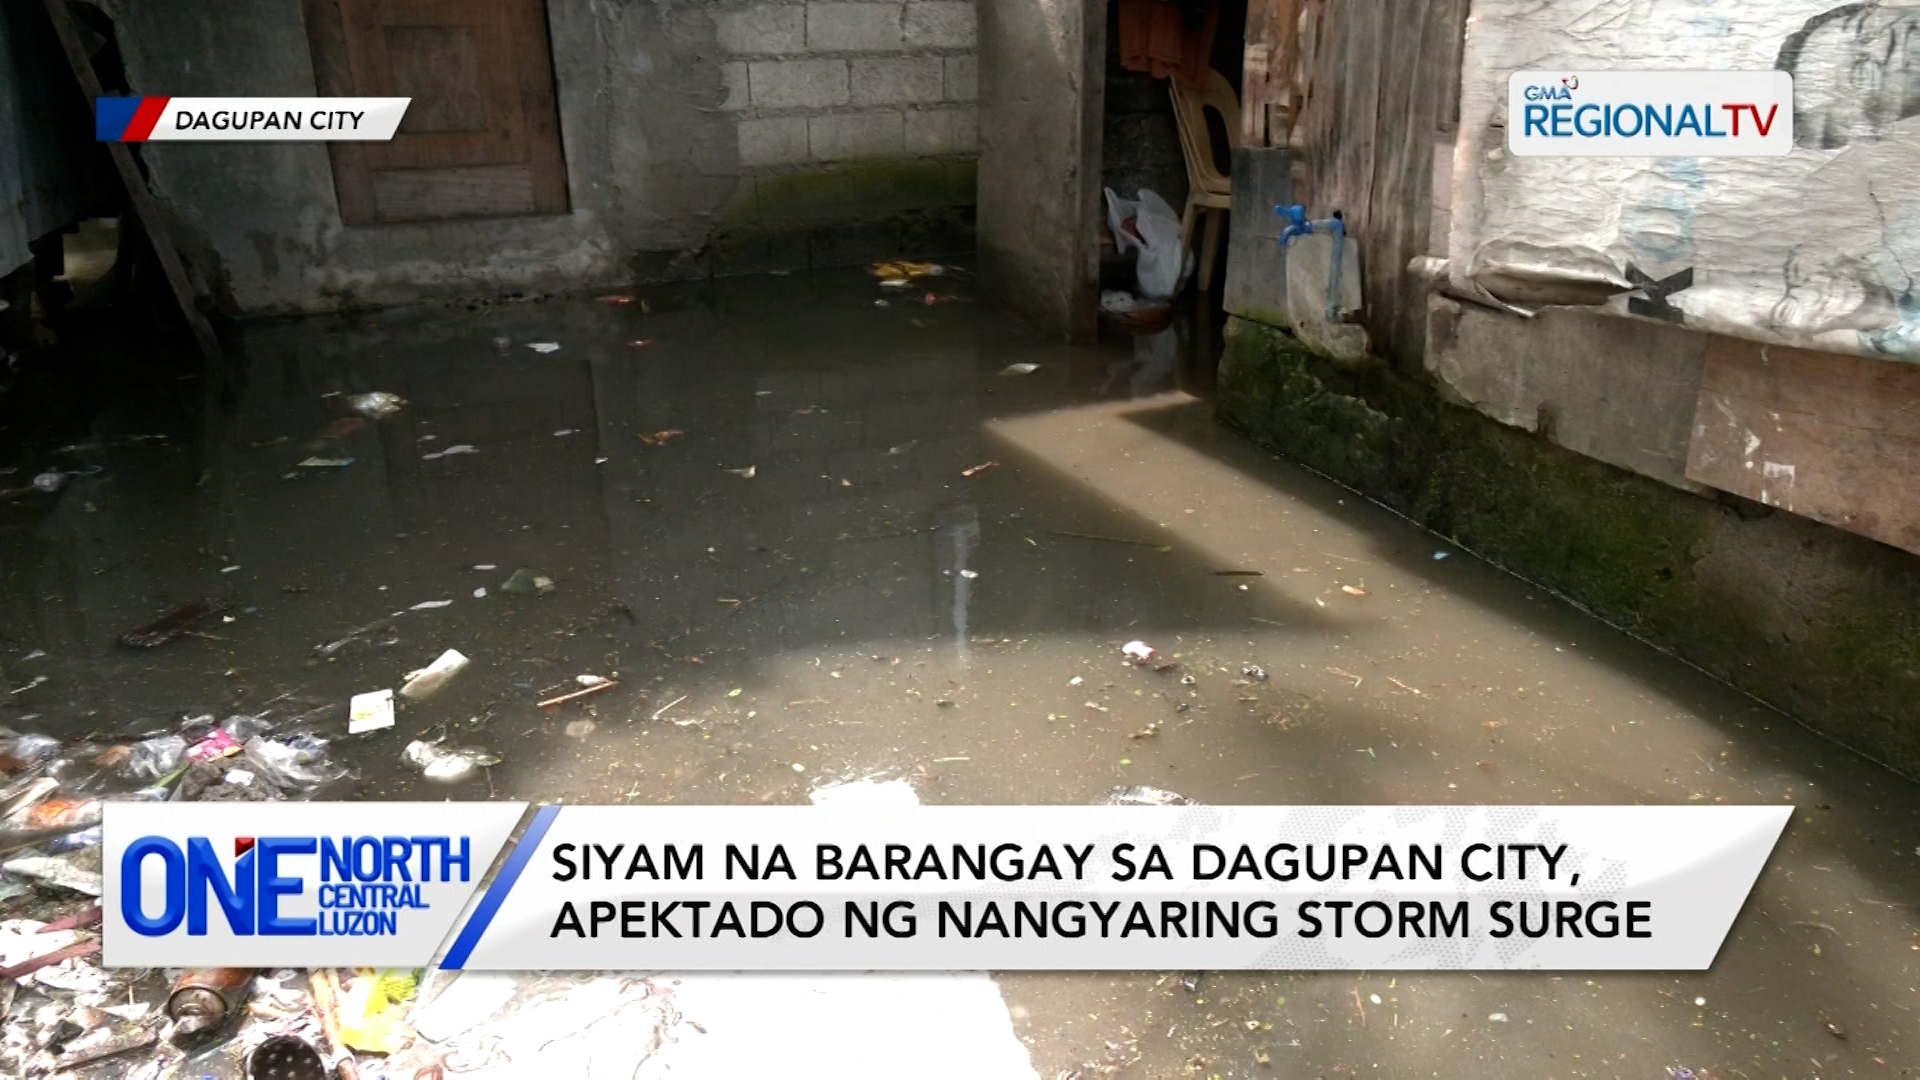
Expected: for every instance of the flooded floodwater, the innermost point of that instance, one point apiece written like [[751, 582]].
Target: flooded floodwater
[[814, 539]]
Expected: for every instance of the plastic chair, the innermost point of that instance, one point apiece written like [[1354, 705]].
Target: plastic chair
[[1208, 192]]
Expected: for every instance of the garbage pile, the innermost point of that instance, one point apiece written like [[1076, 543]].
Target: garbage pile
[[64, 1016], [60, 1011]]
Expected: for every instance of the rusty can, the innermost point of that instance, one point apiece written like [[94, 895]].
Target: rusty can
[[205, 998]]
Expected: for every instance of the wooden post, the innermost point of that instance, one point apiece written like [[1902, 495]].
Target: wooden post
[[1267, 90], [1255, 70], [138, 196]]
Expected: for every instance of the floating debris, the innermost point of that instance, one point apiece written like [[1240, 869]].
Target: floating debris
[[1147, 796], [897, 269], [524, 582], [589, 685], [448, 762], [37, 680], [1138, 651], [430, 680], [370, 711], [544, 347], [171, 625], [56, 870], [377, 404], [978, 469], [746, 473], [1020, 369]]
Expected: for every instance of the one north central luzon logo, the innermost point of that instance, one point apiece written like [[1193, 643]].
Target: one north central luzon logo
[[1557, 111], [365, 883]]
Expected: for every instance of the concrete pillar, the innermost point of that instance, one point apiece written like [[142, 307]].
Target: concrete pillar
[[1042, 90]]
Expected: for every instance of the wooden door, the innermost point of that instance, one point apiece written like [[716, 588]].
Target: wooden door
[[481, 138]]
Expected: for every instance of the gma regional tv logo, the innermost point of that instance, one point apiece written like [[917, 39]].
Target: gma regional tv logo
[[1650, 114], [365, 883], [292, 884]]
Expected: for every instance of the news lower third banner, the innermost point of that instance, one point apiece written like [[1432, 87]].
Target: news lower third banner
[[822, 888], [247, 119]]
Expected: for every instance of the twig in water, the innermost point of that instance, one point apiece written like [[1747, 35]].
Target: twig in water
[[596, 688], [1110, 539], [1357, 680]]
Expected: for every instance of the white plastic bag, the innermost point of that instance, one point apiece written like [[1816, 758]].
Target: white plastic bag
[[1119, 210], [1163, 265]]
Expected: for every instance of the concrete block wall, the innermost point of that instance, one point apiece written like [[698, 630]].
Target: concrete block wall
[[820, 82]]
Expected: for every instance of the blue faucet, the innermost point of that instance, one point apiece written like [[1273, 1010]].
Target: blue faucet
[[1298, 225]]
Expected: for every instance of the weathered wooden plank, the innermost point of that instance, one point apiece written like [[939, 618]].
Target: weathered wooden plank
[[1391, 205], [472, 191], [1267, 91], [1316, 102], [1256, 68], [1422, 70], [333, 77], [1829, 436], [1380, 80], [539, 107]]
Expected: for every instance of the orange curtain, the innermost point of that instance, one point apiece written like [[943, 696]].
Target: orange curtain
[[1156, 39]]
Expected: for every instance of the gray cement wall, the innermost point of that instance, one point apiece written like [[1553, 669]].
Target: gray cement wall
[[708, 137]]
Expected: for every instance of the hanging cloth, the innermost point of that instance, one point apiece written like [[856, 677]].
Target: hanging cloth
[[1169, 39]]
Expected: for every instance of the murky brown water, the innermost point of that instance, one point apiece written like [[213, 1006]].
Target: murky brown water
[[860, 604]]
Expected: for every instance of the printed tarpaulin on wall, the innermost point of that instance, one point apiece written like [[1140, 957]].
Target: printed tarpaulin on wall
[[1819, 249]]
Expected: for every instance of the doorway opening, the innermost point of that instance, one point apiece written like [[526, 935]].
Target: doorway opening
[[1171, 120]]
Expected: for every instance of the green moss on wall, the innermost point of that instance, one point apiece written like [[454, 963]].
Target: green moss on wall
[[1684, 572]]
